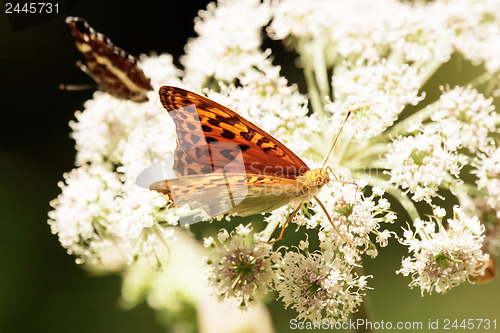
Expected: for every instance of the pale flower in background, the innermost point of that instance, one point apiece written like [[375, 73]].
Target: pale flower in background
[[444, 258], [241, 268], [488, 173], [319, 286]]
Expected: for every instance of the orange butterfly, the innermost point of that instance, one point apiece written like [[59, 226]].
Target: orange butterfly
[[225, 164]]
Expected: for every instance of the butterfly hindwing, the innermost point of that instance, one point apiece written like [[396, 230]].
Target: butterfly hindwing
[[114, 70], [232, 193], [201, 123]]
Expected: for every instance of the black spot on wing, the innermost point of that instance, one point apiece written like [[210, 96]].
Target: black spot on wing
[[209, 139], [248, 135], [227, 120], [228, 134], [199, 152], [206, 128], [213, 121], [227, 154], [191, 126], [185, 145], [262, 140], [179, 167], [195, 138], [244, 147]]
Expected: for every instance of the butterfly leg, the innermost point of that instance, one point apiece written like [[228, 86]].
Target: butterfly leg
[[77, 87], [334, 227], [285, 224]]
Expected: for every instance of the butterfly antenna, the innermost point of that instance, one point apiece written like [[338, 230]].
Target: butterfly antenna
[[335, 141]]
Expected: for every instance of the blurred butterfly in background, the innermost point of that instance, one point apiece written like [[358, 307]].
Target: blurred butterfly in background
[[114, 70], [223, 163]]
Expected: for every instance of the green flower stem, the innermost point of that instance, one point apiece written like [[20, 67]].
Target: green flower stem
[[319, 65], [490, 88], [340, 151], [368, 152], [314, 97], [318, 149], [400, 127], [481, 79], [317, 103], [396, 57], [427, 69], [159, 231], [470, 190]]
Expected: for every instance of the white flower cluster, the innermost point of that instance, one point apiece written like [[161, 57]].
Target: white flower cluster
[[466, 117], [102, 130], [356, 217], [320, 286], [315, 285], [443, 257], [488, 174], [424, 162], [230, 31], [100, 202], [241, 267], [375, 94], [476, 29], [411, 33], [80, 219]]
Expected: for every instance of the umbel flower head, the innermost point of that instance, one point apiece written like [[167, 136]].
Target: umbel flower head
[[241, 267], [319, 285], [405, 145], [444, 257]]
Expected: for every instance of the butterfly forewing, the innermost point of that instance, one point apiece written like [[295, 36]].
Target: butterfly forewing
[[200, 121], [114, 70]]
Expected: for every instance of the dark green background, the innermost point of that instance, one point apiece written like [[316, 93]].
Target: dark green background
[[41, 288]]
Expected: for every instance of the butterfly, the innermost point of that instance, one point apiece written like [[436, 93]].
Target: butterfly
[[114, 70], [223, 163]]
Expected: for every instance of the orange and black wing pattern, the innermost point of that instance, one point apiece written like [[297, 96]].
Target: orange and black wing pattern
[[210, 136], [114, 70]]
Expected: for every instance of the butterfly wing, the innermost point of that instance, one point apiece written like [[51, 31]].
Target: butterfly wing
[[115, 71], [233, 193], [201, 123]]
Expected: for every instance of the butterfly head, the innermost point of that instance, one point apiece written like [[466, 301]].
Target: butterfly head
[[314, 180]]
